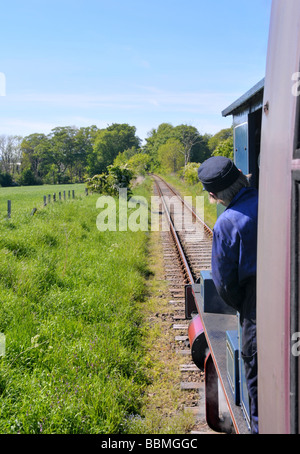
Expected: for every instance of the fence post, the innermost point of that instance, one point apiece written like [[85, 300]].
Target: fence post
[[86, 191], [69, 194], [9, 209], [45, 201], [59, 195], [73, 194], [49, 198], [54, 197], [64, 195]]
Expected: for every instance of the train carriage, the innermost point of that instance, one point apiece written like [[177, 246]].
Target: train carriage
[[278, 227], [266, 123]]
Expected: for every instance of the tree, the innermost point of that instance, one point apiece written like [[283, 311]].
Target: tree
[[156, 138], [139, 163], [189, 137], [71, 154], [109, 143], [10, 153], [84, 142], [200, 151], [225, 148], [219, 137], [194, 145], [63, 150], [6, 180], [171, 155], [27, 178], [125, 156], [35, 150]]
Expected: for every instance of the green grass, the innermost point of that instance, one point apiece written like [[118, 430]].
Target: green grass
[[69, 309], [25, 198]]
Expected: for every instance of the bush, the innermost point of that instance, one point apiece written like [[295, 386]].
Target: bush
[[110, 183], [98, 183], [6, 180], [190, 173], [139, 163], [27, 178], [225, 148]]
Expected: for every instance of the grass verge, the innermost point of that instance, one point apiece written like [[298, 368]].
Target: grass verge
[[162, 410], [69, 297], [86, 349]]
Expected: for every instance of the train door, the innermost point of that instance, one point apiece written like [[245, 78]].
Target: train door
[[241, 147], [246, 114], [278, 289], [247, 146], [254, 126]]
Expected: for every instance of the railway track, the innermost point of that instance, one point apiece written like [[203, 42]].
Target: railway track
[[187, 243]]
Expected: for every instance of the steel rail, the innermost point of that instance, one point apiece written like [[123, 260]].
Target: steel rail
[[184, 261], [194, 214]]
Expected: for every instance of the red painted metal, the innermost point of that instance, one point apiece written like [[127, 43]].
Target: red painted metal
[[198, 343]]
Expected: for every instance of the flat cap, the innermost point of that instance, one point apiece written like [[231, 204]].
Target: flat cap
[[217, 173]]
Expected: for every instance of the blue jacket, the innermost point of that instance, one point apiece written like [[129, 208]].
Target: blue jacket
[[234, 248]]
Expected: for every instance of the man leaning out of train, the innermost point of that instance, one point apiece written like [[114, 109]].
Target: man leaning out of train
[[234, 256]]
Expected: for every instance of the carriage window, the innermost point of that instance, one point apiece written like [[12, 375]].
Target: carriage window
[[298, 131], [295, 306]]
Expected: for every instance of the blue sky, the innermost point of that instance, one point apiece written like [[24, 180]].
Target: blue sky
[[95, 62]]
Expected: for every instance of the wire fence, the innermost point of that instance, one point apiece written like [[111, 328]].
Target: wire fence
[[47, 199]]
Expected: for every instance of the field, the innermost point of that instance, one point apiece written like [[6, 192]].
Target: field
[[69, 310], [25, 198]]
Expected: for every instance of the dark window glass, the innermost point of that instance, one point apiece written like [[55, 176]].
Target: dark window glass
[[297, 130], [295, 303]]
